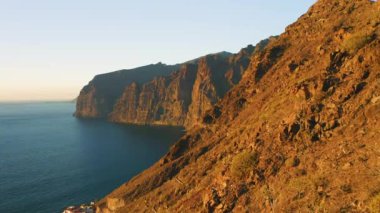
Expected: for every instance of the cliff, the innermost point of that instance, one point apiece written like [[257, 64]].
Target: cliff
[[161, 101], [183, 97], [96, 100], [165, 95], [298, 133]]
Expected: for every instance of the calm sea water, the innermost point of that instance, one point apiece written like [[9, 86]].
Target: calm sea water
[[49, 159]]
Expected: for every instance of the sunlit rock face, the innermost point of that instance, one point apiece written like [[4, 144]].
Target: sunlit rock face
[[164, 95], [97, 99]]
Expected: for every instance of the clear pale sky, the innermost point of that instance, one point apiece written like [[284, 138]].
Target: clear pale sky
[[49, 49]]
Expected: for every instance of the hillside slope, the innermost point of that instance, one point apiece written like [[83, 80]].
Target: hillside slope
[[299, 133]]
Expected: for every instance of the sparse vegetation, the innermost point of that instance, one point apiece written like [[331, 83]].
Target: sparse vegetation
[[243, 163], [374, 205], [356, 41], [301, 185]]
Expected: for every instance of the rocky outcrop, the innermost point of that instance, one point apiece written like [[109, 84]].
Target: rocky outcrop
[[215, 78], [298, 133], [97, 99]]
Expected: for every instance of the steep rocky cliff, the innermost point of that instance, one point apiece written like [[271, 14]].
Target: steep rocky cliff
[[96, 100], [184, 96], [164, 95], [299, 133], [161, 101]]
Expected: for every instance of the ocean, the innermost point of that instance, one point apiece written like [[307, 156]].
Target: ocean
[[50, 159]]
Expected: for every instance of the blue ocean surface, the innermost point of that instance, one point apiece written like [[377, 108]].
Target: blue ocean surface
[[50, 159]]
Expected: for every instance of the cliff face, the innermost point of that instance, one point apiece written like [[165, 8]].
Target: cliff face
[[164, 100], [298, 133], [96, 100], [214, 79], [164, 95], [183, 97]]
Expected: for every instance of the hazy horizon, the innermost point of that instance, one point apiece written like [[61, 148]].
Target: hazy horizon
[[50, 50]]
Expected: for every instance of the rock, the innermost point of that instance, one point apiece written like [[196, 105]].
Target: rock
[[363, 158], [360, 87], [346, 188], [97, 99], [320, 189], [375, 99], [114, 203], [347, 166], [181, 96], [296, 161]]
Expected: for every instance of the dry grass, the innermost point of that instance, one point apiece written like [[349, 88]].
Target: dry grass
[[357, 41], [243, 163], [374, 205]]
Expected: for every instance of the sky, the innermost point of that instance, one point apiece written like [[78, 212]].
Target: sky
[[50, 49]]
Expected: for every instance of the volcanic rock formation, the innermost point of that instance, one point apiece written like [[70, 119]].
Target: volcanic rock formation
[[298, 133], [96, 100], [158, 94]]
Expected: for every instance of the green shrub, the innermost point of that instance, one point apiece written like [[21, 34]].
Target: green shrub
[[243, 163], [356, 42], [374, 205]]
